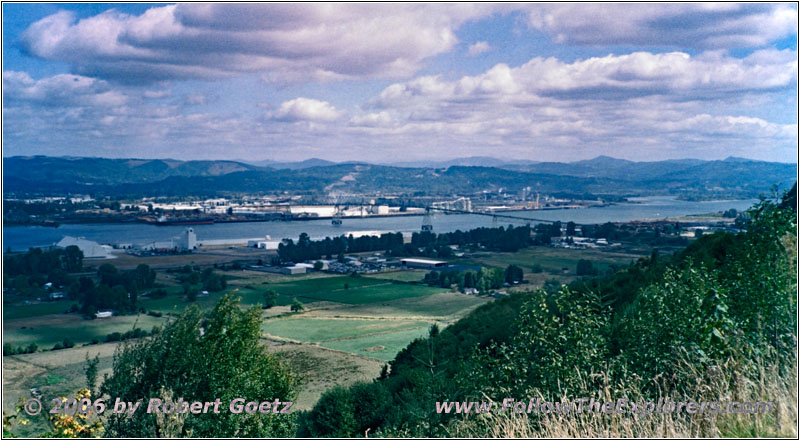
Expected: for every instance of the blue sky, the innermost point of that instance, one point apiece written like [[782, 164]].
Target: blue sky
[[399, 82]]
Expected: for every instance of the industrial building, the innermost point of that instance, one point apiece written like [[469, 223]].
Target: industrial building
[[90, 249], [291, 270], [187, 241], [265, 244], [423, 263]]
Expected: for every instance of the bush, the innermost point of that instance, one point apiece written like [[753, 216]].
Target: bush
[[9, 349], [333, 416], [158, 294]]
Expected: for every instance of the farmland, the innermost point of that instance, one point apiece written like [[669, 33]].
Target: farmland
[[350, 325], [559, 263]]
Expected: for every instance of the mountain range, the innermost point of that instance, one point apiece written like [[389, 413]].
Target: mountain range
[[690, 178]]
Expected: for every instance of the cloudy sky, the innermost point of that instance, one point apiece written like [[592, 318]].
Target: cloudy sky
[[400, 82]]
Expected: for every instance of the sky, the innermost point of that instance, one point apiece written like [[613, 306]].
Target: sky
[[401, 82]]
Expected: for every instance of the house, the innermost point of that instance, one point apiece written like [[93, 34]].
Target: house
[[471, 291], [57, 295], [104, 314]]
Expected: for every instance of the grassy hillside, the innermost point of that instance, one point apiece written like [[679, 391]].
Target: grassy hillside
[[716, 322]]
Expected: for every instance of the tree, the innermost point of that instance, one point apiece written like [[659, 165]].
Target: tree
[[144, 276], [570, 228], [333, 415], [318, 265], [297, 306], [586, 268], [270, 298], [91, 373], [107, 273], [201, 357], [514, 274], [73, 259]]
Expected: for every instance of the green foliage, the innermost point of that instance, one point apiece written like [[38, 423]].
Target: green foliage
[[586, 268], [557, 339], [202, 358], [513, 274], [422, 244], [90, 372], [38, 261], [333, 416], [270, 298], [297, 306]]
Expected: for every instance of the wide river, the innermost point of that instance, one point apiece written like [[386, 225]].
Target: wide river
[[22, 238]]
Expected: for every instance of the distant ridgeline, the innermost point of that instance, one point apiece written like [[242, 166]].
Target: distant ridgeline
[[715, 321], [730, 178]]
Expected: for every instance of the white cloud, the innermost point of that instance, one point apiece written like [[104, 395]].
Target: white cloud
[[698, 25], [156, 94], [286, 42], [195, 99], [379, 119], [306, 109], [613, 77], [59, 90], [478, 48]]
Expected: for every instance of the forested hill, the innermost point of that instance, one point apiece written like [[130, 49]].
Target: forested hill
[[714, 322], [730, 178]]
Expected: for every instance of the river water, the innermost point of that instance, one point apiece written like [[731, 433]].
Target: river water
[[21, 238]]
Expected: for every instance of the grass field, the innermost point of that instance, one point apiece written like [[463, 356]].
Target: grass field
[[559, 263], [321, 369], [442, 306], [309, 329], [359, 290], [35, 309], [48, 330], [381, 346], [400, 276]]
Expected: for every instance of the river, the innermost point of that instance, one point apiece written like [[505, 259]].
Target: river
[[20, 238]]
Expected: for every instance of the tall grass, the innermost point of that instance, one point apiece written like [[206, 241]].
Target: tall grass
[[730, 381]]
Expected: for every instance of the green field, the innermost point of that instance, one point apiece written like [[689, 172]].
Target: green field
[[560, 263], [382, 346], [321, 329], [400, 276], [35, 309], [440, 306], [48, 330], [359, 290]]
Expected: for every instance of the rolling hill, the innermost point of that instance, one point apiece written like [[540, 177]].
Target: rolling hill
[[690, 178]]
